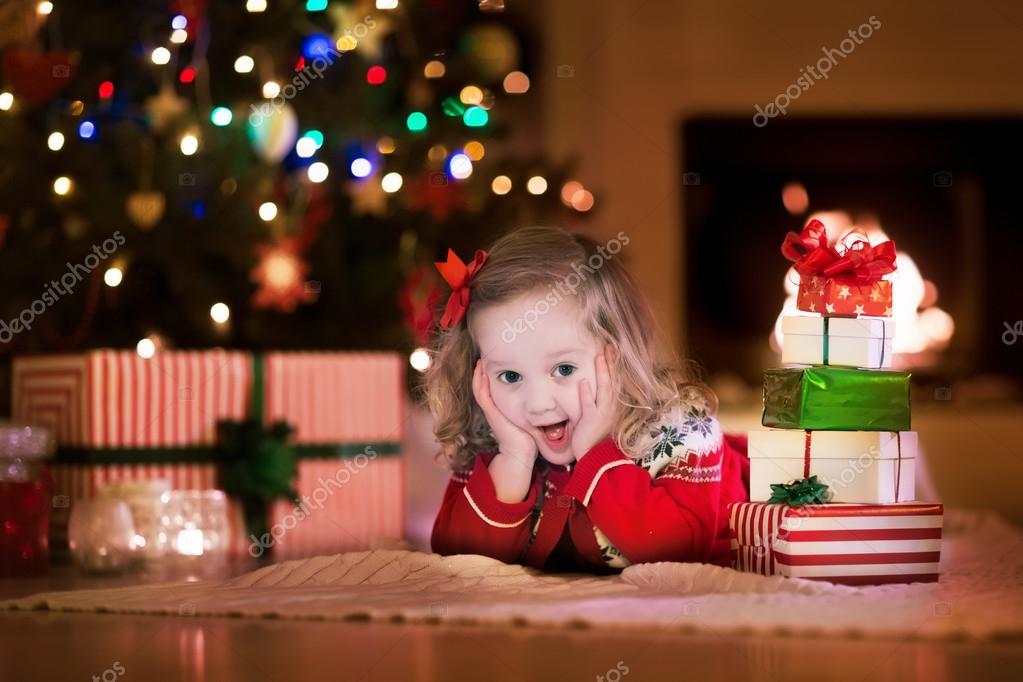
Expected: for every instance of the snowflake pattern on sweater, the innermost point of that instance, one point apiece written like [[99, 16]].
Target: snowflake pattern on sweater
[[674, 449]]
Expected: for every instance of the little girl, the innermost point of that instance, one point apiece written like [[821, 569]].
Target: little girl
[[574, 447]]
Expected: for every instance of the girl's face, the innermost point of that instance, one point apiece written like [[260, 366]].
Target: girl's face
[[534, 362]]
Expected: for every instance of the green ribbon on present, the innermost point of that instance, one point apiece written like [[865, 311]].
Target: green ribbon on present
[[206, 454], [824, 337], [258, 464], [836, 399], [801, 492]]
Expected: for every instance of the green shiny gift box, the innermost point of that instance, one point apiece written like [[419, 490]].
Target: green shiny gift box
[[836, 399]]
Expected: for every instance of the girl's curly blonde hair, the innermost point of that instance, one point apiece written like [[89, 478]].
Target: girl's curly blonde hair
[[646, 382]]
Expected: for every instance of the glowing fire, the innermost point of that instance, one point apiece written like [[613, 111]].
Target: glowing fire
[[919, 324]]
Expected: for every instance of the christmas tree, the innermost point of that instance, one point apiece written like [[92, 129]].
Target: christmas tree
[[256, 174]]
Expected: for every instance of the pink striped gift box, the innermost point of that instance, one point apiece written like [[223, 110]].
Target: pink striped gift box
[[339, 398], [853, 544], [113, 398], [117, 399], [116, 403], [345, 505]]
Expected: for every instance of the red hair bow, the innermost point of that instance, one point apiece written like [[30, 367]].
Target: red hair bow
[[860, 263], [459, 276]]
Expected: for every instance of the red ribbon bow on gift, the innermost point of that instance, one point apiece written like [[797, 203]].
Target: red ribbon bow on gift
[[860, 263], [459, 276]]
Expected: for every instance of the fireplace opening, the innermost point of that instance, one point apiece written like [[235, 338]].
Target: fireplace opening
[[945, 190]]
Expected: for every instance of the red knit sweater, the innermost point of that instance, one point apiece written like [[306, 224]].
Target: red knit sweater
[[607, 511]]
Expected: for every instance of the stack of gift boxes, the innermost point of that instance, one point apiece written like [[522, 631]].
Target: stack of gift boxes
[[832, 478], [120, 417]]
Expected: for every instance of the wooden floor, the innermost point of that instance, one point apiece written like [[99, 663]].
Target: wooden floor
[[40, 645], [57, 646]]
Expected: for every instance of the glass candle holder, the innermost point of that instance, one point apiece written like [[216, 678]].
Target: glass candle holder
[[147, 500], [25, 498], [195, 523], [101, 535]]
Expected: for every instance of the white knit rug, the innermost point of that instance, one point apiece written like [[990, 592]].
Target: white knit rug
[[979, 595]]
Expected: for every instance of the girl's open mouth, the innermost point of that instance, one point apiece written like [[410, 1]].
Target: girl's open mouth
[[556, 435]]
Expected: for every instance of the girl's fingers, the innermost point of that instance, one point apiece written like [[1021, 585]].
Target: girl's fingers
[[480, 390], [585, 397], [494, 416], [603, 388], [476, 382]]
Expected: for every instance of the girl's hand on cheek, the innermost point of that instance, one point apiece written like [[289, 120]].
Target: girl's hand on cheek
[[597, 416], [511, 440]]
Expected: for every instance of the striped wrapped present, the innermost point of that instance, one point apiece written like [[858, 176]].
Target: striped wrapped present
[[348, 414], [854, 544], [119, 416]]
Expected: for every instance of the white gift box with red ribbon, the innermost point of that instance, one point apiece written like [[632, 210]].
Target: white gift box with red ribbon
[[867, 467], [853, 544]]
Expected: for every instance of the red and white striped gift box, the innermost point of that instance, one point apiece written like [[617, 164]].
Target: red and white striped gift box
[[117, 399], [346, 505], [107, 400], [112, 398], [854, 544], [337, 397]]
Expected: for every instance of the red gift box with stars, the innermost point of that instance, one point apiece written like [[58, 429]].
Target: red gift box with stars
[[829, 296], [840, 282]]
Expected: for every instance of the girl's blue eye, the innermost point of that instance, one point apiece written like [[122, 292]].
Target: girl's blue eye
[[559, 369], [512, 377]]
